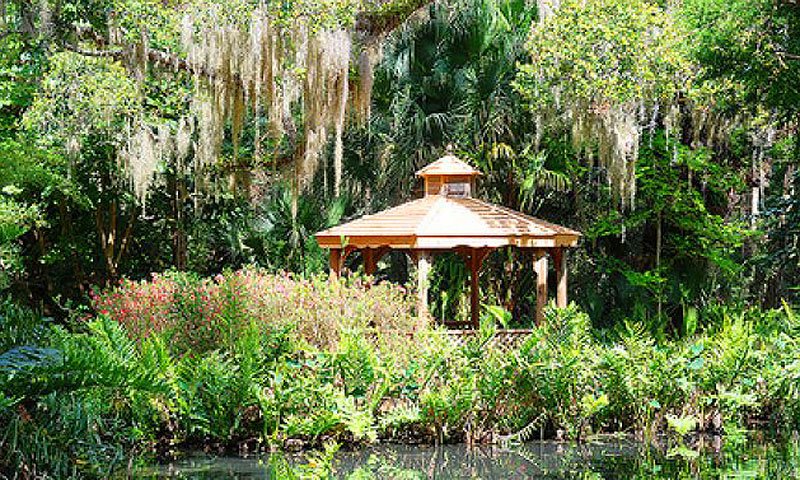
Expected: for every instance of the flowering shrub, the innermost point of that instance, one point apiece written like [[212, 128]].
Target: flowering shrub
[[202, 314]]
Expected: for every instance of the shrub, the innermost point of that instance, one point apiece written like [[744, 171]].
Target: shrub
[[198, 315]]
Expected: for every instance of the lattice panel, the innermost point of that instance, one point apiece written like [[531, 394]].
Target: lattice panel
[[505, 339]]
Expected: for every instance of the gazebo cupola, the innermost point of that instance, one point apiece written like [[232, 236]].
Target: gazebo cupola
[[449, 218], [449, 176]]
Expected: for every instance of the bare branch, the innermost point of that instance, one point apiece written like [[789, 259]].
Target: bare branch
[[372, 23], [386, 16], [789, 56]]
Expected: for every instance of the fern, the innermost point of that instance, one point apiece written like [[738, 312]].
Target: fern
[[400, 416], [19, 360], [279, 467], [7, 402], [20, 326], [358, 421], [356, 362]]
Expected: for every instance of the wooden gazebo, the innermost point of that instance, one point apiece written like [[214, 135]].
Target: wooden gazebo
[[449, 218]]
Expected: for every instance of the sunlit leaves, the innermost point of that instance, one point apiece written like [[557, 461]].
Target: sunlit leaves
[[604, 52], [747, 49], [597, 68], [82, 96]]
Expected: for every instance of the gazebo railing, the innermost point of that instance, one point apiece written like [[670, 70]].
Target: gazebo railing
[[506, 339]]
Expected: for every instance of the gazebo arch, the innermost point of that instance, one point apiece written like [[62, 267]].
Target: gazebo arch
[[449, 218]]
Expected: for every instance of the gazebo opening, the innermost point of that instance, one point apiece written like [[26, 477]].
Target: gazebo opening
[[450, 219]]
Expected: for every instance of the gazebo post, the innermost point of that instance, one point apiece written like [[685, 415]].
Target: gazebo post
[[336, 261], [476, 258], [560, 261], [423, 260], [540, 267], [474, 292], [370, 262]]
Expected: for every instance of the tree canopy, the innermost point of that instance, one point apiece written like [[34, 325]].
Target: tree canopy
[[139, 136]]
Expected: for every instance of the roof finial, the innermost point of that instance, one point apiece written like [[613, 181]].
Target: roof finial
[[449, 149]]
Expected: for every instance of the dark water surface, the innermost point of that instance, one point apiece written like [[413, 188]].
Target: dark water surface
[[740, 457]]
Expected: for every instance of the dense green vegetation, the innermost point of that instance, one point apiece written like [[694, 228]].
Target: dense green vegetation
[[251, 361], [164, 165]]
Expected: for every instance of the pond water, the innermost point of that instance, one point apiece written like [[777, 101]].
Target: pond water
[[740, 457]]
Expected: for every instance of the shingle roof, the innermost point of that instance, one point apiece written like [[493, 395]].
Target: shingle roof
[[438, 221], [448, 165]]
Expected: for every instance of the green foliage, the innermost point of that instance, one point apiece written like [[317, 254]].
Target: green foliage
[[746, 50], [698, 256], [81, 97], [286, 242], [778, 265], [449, 80], [556, 364], [447, 284], [15, 219], [681, 425], [604, 51], [256, 359], [99, 389], [82, 397], [21, 65]]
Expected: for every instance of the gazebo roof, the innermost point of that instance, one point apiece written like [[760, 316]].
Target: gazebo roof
[[448, 217], [442, 222], [448, 165]]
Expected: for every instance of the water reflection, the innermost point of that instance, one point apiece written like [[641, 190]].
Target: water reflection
[[602, 459], [532, 460]]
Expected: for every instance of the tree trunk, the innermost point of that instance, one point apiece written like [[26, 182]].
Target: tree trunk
[[179, 242], [659, 305], [113, 245]]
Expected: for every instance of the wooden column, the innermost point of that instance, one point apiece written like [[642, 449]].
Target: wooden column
[[423, 259], [476, 257], [560, 261], [540, 267], [336, 261], [370, 262], [474, 289]]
